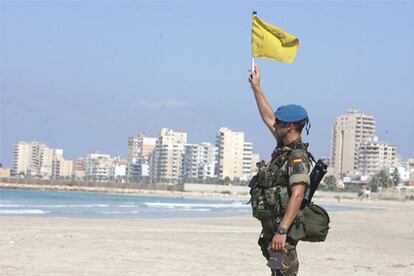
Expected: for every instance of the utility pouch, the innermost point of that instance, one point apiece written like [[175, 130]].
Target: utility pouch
[[259, 209], [297, 230], [283, 198], [256, 200], [316, 221], [262, 174], [263, 213], [271, 195]]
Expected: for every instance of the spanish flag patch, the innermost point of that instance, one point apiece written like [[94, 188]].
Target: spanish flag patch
[[297, 160]]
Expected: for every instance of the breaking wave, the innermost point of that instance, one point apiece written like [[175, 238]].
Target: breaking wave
[[23, 212]]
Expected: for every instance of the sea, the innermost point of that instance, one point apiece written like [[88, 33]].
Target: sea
[[14, 202]]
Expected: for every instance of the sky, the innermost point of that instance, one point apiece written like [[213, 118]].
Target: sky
[[86, 75]]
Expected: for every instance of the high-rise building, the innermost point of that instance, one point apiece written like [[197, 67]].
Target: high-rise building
[[350, 129], [98, 166], [375, 155], [57, 161], [168, 155], [22, 158], [37, 159], [199, 161], [140, 151], [139, 146], [247, 160], [234, 155]]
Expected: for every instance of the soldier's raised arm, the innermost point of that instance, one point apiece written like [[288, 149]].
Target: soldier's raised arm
[[265, 110]]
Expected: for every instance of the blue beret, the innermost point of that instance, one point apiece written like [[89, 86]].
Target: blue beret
[[291, 113]]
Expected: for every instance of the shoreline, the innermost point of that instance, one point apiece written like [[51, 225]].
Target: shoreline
[[126, 191], [320, 196], [336, 202]]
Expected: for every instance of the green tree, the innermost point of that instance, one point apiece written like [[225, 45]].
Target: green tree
[[330, 180], [381, 179], [396, 178]]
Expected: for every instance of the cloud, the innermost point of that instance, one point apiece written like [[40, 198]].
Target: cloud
[[154, 105]]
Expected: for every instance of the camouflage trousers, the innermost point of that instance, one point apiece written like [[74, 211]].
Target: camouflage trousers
[[290, 260]]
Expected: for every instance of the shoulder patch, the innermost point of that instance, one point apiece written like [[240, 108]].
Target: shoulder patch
[[298, 169]]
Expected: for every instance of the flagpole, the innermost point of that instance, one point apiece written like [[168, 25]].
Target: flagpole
[[254, 13]]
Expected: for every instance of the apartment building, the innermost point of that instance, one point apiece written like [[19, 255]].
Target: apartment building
[[349, 131], [22, 158], [79, 168], [98, 166], [375, 155], [247, 161], [37, 159], [140, 152], [118, 170], [199, 161], [168, 155], [234, 155], [139, 146]]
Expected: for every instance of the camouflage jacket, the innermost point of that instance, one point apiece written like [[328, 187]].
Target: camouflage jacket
[[290, 165]]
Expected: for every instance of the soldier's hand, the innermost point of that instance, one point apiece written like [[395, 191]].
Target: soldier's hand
[[254, 78], [278, 242]]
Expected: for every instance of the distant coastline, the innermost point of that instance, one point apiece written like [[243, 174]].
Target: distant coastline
[[320, 196], [113, 190]]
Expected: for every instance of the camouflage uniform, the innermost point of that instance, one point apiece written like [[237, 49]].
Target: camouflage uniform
[[290, 165]]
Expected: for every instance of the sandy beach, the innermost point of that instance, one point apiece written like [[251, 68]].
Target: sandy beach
[[374, 242]]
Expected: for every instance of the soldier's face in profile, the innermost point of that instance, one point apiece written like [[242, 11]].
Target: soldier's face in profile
[[280, 130]]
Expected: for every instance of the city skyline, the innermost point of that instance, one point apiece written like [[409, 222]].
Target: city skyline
[[103, 151], [125, 156], [354, 140], [83, 76], [169, 156]]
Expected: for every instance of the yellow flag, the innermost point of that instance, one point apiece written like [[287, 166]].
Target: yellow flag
[[270, 42]]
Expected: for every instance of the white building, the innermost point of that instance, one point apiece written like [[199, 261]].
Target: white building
[[234, 155], [168, 155], [402, 172], [247, 161], [199, 161], [375, 155], [22, 158], [349, 131], [140, 151], [139, 146], [98, 166], [43, 160], [37, 159], [118, 170]]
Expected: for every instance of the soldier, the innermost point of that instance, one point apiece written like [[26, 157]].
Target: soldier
[[277, 200]]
